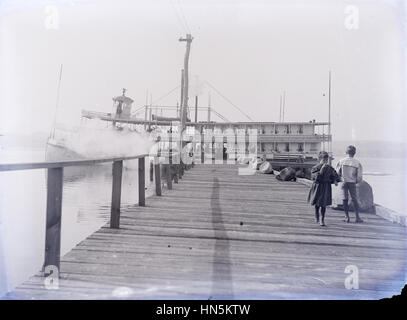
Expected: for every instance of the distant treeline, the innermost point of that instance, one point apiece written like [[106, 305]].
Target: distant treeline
[[371, 149]]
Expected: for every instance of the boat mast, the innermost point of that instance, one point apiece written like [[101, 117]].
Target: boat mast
[[57, 102], [281, 105]]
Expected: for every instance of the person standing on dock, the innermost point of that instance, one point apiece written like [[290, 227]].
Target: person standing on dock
[[320, 194], [351, 172]]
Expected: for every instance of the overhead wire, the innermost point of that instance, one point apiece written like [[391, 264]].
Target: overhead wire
[[180, 21], [157, 100], [220, 116], [166, 95], [183, 16], [228, 100]]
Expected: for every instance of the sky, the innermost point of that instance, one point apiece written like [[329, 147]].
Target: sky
[[250, 51]]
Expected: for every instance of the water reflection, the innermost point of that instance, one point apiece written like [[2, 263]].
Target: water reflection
[[85, 208]]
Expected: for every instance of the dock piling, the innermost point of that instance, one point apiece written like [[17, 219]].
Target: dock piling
[[141, 182], [53, 219], [202, 146], [168, 176], [157, 172], [151, 171], [117, 172]]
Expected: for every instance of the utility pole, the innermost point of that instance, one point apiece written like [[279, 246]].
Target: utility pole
[[184, 106], [182, 92]]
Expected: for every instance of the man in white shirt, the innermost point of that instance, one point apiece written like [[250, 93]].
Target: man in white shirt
[[351, 172]]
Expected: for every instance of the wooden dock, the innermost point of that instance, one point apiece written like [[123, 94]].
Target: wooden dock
[[217, 235]]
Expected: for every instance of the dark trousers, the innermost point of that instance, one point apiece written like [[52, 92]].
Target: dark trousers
[[350, 188]]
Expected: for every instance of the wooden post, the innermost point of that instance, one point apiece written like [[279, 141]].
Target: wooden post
[[53, 220], [179, 173], [141, 182], [175, 168], [213, 153], [157, 171], [176, 172], [180, 170], [169, 166], [168, 174], [236, 144], [150, 118], [202, 146], [151, 171], [116, 194]]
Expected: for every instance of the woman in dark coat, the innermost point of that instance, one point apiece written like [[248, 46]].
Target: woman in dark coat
[[320, 194]]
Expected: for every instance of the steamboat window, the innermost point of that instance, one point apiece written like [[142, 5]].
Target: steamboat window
[[314, 147]]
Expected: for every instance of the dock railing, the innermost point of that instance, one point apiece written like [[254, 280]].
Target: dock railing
[[55, 175]]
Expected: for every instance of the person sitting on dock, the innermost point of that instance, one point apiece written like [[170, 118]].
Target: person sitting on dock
[[350, 171], [320, 194]]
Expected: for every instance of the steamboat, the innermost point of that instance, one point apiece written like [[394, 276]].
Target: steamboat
[[208, 134]]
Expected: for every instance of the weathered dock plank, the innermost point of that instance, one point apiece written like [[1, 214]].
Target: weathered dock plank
[[217, 234]]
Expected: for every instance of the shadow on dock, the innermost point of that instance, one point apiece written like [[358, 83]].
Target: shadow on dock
[[222, 287]]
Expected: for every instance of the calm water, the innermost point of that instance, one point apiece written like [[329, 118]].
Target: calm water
[[86, 207], [388, 178]]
